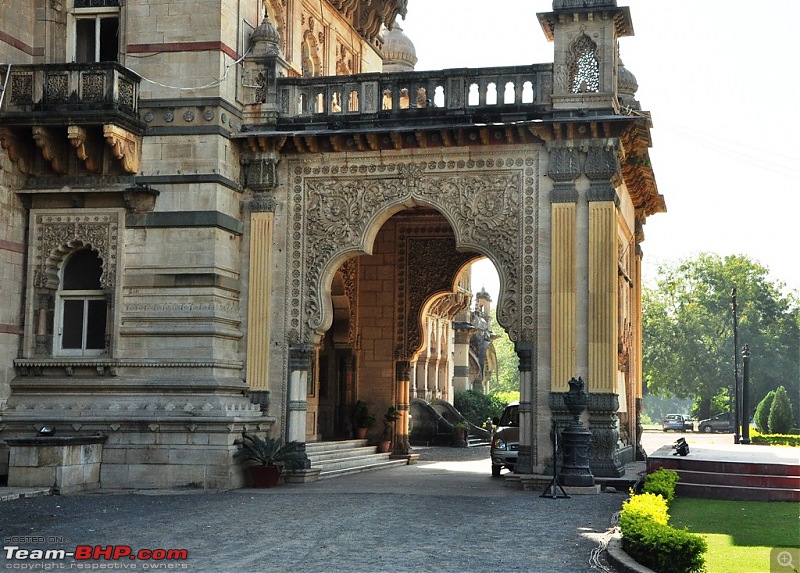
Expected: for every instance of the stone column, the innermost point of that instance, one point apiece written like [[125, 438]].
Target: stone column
[[563, 169], [402, 378], [300, 357], [526, 459], [602, 169], [262, 180]]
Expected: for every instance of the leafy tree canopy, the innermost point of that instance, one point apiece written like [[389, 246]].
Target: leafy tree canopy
[[506, 378], [688, 331]]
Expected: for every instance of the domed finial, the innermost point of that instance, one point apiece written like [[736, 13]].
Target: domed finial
[[399, 53]]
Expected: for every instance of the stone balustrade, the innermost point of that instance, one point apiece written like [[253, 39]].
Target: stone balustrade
[[452, 92], [40, 89]]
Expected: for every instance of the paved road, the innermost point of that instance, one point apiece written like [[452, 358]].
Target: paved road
[[445, 514]]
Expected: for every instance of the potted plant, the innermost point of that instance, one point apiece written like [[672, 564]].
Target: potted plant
[[389, 418], [460, 430], [362, 419], [268, 457]]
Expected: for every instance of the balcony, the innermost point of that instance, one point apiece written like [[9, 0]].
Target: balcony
[[57, 106], [59, 93]]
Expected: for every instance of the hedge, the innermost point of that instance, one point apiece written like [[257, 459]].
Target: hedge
[[662, 482], [646, 535]]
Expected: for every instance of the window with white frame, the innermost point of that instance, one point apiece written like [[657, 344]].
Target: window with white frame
[[94, 31], [81, 306]]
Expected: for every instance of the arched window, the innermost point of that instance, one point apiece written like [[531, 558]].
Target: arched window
[[584, 68], [81, 306]]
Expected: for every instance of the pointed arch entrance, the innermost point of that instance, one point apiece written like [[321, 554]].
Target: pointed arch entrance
[[486, 204]]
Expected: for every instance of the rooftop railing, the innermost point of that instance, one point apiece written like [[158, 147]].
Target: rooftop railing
[[519, 89]]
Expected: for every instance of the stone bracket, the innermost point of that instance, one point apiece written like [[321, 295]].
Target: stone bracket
[[19, 149], [126, 146], [87, 149], [53, 148]]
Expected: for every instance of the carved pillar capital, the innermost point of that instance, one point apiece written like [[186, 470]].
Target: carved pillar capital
[[525, 352], [603, 170], [300, 356], [262, 172]]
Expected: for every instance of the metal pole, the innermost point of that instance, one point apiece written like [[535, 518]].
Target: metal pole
[[745, 400], [735, 369]]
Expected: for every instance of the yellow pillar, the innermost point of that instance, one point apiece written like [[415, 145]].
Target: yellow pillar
[[258, 312], [563, 341], [603, 294]]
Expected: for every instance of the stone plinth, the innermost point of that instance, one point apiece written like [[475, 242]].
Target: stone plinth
[[68, 464]]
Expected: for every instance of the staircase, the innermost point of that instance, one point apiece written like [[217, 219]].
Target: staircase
[[725, 478], [335, 459]]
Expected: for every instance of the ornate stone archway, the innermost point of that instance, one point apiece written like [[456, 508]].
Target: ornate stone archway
[[335, 208]]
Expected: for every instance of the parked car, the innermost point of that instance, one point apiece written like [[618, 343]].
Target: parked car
[[678, 422], [719, 423], [505, 441]]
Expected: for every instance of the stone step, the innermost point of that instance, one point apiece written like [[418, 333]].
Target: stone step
[[739, 480], [335, 459], [717, 491]]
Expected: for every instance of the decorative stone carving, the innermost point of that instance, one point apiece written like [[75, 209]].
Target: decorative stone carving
[[86, 149], [126, 146], [604, 425], [58, 234], [19, 149], [262, 173], [489, 203], [53, 147]]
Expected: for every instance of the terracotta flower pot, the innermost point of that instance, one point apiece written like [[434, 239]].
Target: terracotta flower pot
[[264, 476], [361, 433], [384, 446]]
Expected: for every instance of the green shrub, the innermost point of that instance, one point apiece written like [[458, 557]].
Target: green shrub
[[662, 482], [648, 538], [761, 416], [776, 439], [781, 418], [477, 407], [647, 505], [663, 548]]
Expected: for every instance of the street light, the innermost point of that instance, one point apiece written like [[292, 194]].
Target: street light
[[735, 369], [745, 401]]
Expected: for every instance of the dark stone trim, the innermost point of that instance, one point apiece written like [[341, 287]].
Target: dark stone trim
[[189, 102], [603, 192], [525, 352], [564, 193], [156, 180], [185, 219], [161, 280], [461, 371], [188, 130], [300, 356]]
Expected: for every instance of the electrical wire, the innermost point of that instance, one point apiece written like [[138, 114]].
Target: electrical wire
[[212, 84], [602, 546]]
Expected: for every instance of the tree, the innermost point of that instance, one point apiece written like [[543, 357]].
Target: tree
[[507, 376], [780, 414], [688, 336], [762, 412]]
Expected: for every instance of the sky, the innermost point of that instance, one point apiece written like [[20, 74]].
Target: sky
[[721, 79]]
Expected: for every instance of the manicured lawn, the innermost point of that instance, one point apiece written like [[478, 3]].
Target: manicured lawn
[[740, 534]]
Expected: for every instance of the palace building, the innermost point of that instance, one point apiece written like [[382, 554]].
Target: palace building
[[228, 216]]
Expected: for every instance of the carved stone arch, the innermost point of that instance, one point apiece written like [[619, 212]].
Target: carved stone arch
[[311, 62], [276, 9], [56, 235], [338, 205]]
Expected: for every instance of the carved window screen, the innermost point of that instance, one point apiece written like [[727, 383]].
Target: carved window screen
[[584, 68]]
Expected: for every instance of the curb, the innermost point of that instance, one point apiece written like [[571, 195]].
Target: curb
[[621, 561], [12, 493]]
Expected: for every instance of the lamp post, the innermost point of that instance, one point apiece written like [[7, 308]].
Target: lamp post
[[735, 369], [745, 400]]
